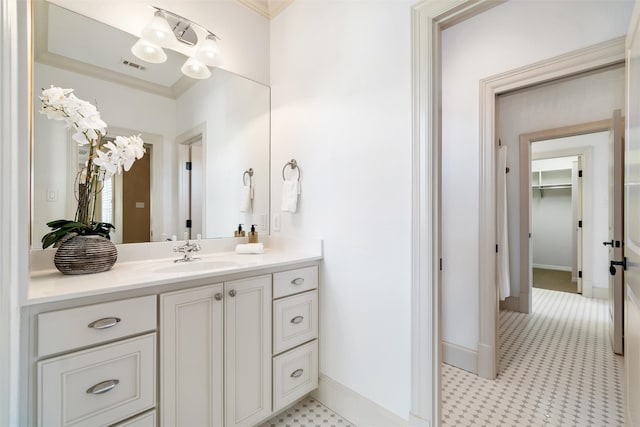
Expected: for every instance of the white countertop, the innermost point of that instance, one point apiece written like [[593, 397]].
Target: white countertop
[[49, 285]]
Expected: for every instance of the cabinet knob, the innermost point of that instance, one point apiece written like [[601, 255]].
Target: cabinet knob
[[296, 320], [297, 281], [218, 296], [232, 293], [297, 373], [107, 322], [103, 387]]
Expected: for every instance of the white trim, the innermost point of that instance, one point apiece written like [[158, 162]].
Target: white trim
[[582, 60], [552, 267], [460, 357], [356, 408], [428, 19], [14, 197]]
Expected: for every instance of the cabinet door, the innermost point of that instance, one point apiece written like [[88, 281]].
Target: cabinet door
[[247, 351], [191, 373]]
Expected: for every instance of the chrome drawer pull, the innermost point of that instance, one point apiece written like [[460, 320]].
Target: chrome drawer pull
[[297, 373], [107, 322], [297, 319], [232, 293], [297, 281], [218, 296], [103, 387]]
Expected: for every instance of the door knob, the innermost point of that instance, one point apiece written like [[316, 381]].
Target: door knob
[[612, 268], [232, 293], [608, 243]]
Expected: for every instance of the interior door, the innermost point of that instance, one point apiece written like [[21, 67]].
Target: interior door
[[136, 200], [632, 223], [615, 237]]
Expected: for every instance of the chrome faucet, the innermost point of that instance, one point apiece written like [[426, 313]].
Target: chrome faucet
[[187, 249]]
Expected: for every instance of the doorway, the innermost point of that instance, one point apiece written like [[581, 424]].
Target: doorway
[[589, 144], [556, 208], [191, 178]]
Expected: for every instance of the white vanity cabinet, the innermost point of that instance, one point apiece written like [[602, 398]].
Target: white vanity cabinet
[[216, 341], [295, 335], [113, 378], [227, 350]]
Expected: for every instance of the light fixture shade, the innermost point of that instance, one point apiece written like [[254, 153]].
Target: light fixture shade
[[208, 52], [149, 52], [195, 69], [158, 31]]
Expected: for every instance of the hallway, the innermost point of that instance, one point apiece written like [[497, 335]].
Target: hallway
[[556, 368]]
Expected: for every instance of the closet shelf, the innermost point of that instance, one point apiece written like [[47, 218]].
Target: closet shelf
[[541, 188], [551, 187]]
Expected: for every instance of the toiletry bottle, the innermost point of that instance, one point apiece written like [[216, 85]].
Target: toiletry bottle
[[239, 232], [253, 234]]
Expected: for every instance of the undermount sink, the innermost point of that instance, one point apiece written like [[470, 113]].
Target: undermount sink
[[196, 266]]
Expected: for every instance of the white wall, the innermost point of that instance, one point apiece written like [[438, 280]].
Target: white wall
[[341, 99], [551, 225], [144, 112], [235, 114], [595, 262], [508, 36], [552, 214]]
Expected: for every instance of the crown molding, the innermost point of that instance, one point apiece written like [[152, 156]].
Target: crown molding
[[267, 8]]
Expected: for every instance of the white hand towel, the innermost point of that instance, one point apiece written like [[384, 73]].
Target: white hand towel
[[250, 248], [290, 191], [246, 194]]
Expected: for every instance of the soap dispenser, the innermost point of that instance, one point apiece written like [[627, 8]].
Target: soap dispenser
[[253, 234], [239, 232]]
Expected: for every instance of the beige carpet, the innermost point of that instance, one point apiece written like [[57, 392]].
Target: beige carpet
[[554, 280]]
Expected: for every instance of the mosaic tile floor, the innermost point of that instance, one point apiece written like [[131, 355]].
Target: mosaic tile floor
[[556, 369], [308, 413]]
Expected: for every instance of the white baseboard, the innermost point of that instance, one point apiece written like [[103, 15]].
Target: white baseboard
[[356, 408], [553, 267], [600, 293], [460, 357]]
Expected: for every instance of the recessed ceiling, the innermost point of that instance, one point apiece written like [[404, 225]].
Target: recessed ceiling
[[75, 42]]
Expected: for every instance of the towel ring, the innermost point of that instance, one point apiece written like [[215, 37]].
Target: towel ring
[[244, 176], [294, 165]]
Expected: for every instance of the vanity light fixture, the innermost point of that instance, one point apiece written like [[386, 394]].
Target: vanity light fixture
[[169, 30]]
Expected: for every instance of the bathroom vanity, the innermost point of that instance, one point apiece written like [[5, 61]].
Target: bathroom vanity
[[228, 340]]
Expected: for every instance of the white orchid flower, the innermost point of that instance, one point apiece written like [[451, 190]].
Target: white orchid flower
[[106, 158]]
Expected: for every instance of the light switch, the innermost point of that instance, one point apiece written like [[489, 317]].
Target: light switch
[[52, 195], [276, 222]]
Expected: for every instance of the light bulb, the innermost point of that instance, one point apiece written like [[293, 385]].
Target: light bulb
[[208, 52], [158, 31], [195, 69], [149, 52]]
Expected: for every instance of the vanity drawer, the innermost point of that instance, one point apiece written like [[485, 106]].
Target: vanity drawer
[[295, 373], [295, 321], [148, 419], [64, 330], [99, 386], [295, 281]]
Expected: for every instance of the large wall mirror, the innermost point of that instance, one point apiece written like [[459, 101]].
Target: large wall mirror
[[201, 135]]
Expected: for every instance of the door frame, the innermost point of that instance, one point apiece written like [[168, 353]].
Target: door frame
[[597, 56], [428, 19], [526, 140], [183, 141]]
